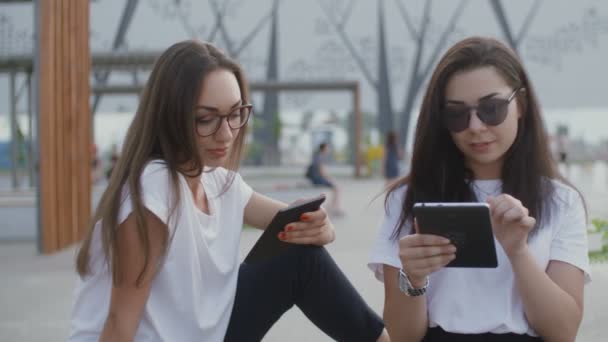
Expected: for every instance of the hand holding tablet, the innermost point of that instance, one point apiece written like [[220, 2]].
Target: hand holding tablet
[[468, 226], [269, 245]]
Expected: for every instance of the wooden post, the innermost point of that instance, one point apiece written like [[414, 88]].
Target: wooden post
[[64, 124]]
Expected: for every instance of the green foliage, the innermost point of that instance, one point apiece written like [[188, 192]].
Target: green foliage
[[601, 226], [277, 126], [599, 257]]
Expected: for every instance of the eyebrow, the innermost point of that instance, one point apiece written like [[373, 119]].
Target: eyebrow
[[481, 98], [215, 109]]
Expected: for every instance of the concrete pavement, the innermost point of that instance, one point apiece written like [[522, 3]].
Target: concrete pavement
[[36, 292]]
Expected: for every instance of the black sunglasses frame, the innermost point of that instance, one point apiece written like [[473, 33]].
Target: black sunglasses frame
[[458, 120]]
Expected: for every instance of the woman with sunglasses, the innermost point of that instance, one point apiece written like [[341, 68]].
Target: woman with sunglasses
[[161, 261], [480, 137]]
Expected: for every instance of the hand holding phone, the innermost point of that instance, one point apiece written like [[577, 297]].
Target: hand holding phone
[[269, 244], [312, 228]]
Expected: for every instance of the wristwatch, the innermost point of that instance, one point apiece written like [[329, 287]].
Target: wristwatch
[[406, 286]]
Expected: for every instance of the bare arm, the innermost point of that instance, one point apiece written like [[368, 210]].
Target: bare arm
[[397, 306], [128, 299], [553, 300], [260, 210], [313, 228], [420, 255]]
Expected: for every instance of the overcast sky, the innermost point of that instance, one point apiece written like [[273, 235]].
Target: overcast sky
[[565, 49]]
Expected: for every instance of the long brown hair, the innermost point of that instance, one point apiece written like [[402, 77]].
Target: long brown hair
[[438, 172], [163, 128]]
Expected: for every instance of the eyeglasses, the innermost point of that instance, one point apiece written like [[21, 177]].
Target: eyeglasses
[[207, 125], [491, 111]]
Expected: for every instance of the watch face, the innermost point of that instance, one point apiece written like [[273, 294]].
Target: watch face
[[406, 287]]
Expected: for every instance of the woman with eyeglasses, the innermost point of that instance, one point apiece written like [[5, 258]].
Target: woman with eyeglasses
[[161, 260], [480, 137]]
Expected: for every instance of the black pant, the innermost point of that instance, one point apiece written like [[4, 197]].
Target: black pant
[[308, 277], [439, 335]]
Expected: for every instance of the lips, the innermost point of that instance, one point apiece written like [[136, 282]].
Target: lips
[[481, 146], [218, 152]]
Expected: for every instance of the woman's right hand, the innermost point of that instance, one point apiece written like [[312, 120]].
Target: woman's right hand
[[423, 254]]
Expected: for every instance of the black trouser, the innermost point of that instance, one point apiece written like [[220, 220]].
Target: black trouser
[[439, 335], [308, 277]]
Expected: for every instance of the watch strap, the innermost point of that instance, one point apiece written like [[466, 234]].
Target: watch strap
[[406, 286]]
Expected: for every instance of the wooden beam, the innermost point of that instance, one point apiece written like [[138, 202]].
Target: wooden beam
[[64, 117]]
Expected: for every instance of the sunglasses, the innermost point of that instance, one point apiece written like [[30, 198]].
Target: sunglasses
[[491, 111]]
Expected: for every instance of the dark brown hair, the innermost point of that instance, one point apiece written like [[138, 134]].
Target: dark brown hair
[[163, 128], [438, 172]]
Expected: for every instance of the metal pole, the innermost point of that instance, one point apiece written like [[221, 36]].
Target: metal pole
[[357, 118], [13, 123], [30, 131]]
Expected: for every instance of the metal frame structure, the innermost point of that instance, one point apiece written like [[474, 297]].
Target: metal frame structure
[[351, 86], [144, 60]]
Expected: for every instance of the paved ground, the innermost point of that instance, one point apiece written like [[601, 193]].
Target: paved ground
[[35, 295]]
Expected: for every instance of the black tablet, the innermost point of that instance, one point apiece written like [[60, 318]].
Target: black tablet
[[269, 245], [467, 225]]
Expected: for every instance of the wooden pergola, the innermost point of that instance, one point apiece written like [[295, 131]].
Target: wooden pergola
[[61, 68]]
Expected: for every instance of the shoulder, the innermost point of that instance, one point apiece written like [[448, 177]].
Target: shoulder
[[155, 177], [224, 180], [565, 205], [220, 175], [394, 199], [156, 191], [564, 195], [155, 169]]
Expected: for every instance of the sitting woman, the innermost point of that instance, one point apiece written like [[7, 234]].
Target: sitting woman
[[480, 137], [160, 262]]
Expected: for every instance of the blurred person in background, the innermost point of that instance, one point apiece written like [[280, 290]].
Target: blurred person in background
[[392, 155], [318, 175]]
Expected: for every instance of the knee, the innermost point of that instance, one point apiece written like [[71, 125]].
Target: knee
[[309, 254], [307, 250]]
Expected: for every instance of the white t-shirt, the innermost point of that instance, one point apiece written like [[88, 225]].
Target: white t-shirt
[[471, 301], [193, 293]]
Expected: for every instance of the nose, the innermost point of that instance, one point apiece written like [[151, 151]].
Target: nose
[[224, 133], [475, 124]]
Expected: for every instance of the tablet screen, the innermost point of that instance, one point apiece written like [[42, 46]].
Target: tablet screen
[[467, 225]]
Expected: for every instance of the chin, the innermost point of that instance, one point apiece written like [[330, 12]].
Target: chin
[[216, 162], [213, 163], [487, 161]]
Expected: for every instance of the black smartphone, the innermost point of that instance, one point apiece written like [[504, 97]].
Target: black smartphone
[[467, 225], [269, 245]]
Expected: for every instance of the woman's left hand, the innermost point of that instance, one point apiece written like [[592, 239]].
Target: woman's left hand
[[511, 223], [314, 228]]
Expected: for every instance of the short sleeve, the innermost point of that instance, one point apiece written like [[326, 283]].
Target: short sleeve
[[244, 191], [156, 185], [569, 242], [385, 250]]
